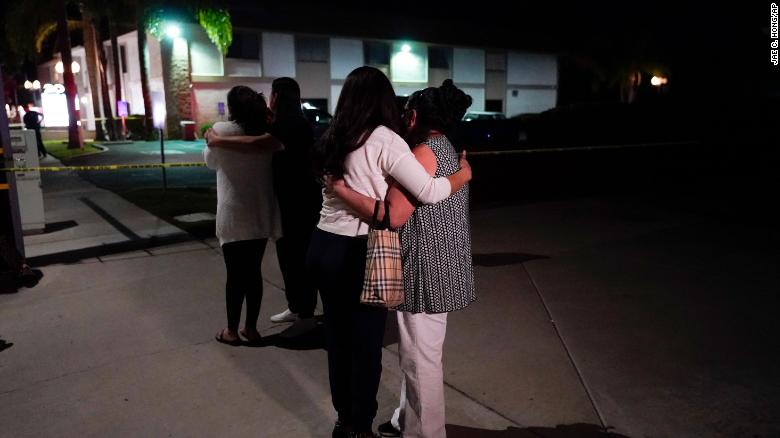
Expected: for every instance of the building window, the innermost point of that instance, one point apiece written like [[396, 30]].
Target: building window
[[246, 45], [494, 105], [439, 57], [311, 49], [495, 61], [377, 53], [123, 57]]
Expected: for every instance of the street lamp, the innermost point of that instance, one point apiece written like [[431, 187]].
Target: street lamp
[[657, 81], [172, 30], [158, 118], [74, 67], [35, 87]]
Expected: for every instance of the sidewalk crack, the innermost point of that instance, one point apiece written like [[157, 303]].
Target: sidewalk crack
[[581, 378]]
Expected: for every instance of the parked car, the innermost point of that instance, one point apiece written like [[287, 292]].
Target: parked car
[[483, 115], [319, 119]]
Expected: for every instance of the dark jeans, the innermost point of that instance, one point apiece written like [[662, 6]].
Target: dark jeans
[[244, 280], [41, 148], [299, 288], [354, 331]]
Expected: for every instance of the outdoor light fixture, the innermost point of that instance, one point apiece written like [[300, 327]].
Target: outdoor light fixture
[[409, 63], [27, 85], [173, 31], [36, 85], [74, 67], [657, 81]]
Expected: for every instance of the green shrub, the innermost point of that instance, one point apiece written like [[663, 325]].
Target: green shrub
[[205, 127]]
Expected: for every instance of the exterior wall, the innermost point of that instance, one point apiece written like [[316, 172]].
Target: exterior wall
[[437, 75], [313, 77], [48, 75], [278, 55], [532, 83], [205, 58], [468, 73], [495, 85], [524, 82], [345, 56], [206, 97]]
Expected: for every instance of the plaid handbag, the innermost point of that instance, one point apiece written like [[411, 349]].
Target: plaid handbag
[[383, 285]]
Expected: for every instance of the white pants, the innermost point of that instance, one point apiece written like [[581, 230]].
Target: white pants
[[421, 410]]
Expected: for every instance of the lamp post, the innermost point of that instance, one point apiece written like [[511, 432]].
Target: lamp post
[[35, 87], [158, 117]]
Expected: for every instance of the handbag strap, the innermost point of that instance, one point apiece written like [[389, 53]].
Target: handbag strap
[[384, 224]]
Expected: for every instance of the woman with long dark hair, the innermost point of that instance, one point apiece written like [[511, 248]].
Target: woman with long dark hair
[[436, 257], [297, 191], [361, 147], [247, 212]]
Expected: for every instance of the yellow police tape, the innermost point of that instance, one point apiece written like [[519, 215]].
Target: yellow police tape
[[100, 167], [468, 154]]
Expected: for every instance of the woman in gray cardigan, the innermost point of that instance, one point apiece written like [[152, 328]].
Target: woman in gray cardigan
[[247, 212]]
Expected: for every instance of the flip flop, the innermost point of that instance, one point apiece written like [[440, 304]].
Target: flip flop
[[219, 337]]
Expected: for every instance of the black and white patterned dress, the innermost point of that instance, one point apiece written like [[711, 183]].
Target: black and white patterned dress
[[436, 246]]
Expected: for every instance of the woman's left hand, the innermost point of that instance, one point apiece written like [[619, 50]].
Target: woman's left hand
[[211, 137], [334, 186]]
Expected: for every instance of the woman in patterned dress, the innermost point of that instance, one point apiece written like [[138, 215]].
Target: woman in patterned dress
[[362, 147], [436, 252]]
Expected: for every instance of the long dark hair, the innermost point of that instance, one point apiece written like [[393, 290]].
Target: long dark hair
[[367, 101], [437, 109], [248, 109], [287, 98]]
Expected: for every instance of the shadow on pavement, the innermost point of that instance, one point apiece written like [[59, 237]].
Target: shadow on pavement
[[291, 339], [69, 257], [10, 282], [53, 227], [580, 430], [4, 345]]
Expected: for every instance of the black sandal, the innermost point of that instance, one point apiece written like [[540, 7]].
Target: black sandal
[[220, 338]]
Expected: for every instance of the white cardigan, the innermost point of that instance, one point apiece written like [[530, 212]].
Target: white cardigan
[[367, 170], [246, 204]]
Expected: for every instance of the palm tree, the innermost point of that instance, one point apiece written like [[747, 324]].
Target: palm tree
[[214, 19], [75, 134], [93, 69], [36, 22], [143, 63]]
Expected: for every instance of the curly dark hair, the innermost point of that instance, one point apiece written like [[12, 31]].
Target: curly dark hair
[[437, 108], [248, 109], [367, 101]]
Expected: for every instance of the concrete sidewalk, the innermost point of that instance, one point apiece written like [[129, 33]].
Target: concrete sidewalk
[[648, 317], [81, 216]]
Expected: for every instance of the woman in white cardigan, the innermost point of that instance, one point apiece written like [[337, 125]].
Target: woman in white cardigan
[[247, 212]]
